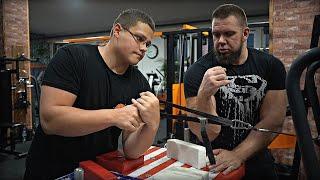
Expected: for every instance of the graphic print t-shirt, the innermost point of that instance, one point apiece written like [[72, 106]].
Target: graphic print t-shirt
[[242, 98]]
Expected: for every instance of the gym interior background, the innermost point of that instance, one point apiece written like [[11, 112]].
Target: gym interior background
[[31, 32]]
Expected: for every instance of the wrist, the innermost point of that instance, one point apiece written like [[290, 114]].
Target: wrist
[[241, 155], [202, 93], [152, 125], [110, 117]]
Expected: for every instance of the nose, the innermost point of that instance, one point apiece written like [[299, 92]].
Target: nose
[[143, 47], [222, 40]]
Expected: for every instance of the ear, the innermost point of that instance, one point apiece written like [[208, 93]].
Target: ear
[[246, 32], [116, 30]]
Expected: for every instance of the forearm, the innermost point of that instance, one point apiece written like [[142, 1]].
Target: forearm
[[205, 105], [257, 141], [70, 121], [139, 141]]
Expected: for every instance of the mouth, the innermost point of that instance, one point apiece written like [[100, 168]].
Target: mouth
[[224, 51], [139, 55]]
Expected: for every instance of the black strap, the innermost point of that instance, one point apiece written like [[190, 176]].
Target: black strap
[[211, 118], [205, 139]]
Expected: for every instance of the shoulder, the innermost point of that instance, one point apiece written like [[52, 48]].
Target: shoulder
[[264, 57], [260, 55], [77, 53], [202, 64], [78, 48], [207, 60]]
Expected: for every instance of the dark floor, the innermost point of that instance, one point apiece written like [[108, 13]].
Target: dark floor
[[10, 167]]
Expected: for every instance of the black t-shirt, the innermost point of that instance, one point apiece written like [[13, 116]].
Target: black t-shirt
[[80, 70], [242, 98]]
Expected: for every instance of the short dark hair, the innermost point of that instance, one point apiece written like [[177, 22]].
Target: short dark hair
[[226, 10], [131, 17]]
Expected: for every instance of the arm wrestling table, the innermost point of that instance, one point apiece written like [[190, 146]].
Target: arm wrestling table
[[114, 166]]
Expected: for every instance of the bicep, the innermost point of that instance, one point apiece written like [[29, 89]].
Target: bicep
[[51, 96], [273, 106]]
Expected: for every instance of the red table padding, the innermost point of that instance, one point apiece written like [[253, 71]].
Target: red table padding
[[93, 171], [234, 175], [114, 161]]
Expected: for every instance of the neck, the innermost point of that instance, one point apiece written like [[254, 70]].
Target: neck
[[243, 57], [114, 62]]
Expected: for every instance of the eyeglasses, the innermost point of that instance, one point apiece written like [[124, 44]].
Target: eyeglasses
[[139, 39]]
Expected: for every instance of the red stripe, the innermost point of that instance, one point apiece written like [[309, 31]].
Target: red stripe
[[149, 161], [186, 166], [151, 150], [205, 168], [155, 170]]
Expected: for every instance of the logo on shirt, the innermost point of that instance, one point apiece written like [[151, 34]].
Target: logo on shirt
[[241, 99]]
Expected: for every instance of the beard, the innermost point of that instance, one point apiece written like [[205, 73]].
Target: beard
[[228, 59]]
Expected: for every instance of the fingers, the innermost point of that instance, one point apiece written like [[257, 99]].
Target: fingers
[[228, 170], [137, 104], [144, 100], [129, 127], [134, 118], [222, 83], [217, 76], [147, 93], [217, 151], [217, 70], [220, 167], [135, 122]]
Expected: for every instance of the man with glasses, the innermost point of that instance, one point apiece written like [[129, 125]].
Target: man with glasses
[[237, 82], [81, 89]]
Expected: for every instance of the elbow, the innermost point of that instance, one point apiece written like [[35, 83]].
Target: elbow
[[129, 155], [279, 127], [132, 156], [194, 127], [45, 124]]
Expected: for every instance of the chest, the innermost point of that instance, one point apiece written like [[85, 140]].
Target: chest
[[101, 88]]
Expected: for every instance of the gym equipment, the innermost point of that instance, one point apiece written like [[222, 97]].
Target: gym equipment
[[183, 48], [10, 132], [153, 80], [299, 114], [309, 97]]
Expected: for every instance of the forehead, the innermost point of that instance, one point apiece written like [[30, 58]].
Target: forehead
[[142, 29], [229, 23]]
